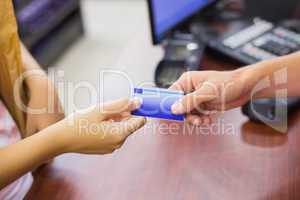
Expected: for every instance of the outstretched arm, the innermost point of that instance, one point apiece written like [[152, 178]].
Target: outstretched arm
[[282, 72], [100, 130], [213, 90], [26, 155]]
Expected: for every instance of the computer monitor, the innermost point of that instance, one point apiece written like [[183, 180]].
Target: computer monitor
[[165, 15]]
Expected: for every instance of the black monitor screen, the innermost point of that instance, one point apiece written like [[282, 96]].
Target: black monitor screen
[[166, 14]]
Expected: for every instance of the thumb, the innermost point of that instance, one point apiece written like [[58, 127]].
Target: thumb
[[207, 92], [118, 107]]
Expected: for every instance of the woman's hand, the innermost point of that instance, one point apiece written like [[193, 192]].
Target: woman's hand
[[208, 91], [99, 130]]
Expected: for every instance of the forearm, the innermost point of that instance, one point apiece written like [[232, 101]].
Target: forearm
[[273, 75], [30, 64], [24, 156]]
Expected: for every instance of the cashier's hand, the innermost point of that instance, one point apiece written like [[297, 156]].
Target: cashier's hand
[[209, 92], [99, 130]]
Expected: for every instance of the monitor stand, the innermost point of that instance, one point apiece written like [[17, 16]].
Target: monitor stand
[[182, 53]]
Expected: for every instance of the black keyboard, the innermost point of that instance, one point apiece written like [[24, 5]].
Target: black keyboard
[[257, 42]]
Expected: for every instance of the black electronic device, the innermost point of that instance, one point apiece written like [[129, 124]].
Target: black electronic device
[[257, 41], [168, 16], [182, 52], [180, 56]]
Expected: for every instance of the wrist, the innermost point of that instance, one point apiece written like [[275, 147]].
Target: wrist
[[252, 75], [64, 134], [56, 135]]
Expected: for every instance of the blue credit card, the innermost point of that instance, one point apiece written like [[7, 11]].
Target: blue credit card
[[157, 103]]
